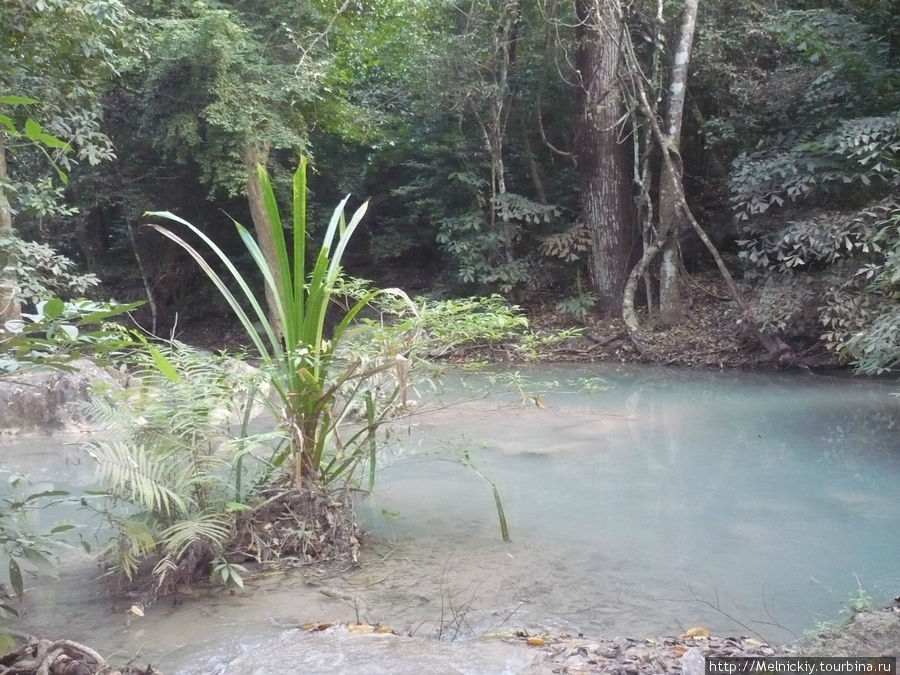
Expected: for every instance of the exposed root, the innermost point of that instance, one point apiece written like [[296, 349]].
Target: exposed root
[[62, 657], [309, 525]]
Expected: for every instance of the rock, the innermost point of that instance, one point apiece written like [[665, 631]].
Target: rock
[[50, 400], [692, 662]]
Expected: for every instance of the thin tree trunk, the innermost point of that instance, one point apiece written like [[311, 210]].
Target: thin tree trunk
[[642, 138], [774, 346], [145, 277], [9, 302], [671, 304], [535, 172], [604, 176], [253, 158]]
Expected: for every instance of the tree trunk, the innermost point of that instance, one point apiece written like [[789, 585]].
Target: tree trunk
[[604, 175], [9, 302], [671, 305], [775, 346], [254, 157]]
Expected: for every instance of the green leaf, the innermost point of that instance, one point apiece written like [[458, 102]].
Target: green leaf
[[53, 142], [12, 99], [6, 121], [47, 493], [98, 316], [39, 560], [7, 643], [252, 333], [33, 130], [15, 577], [163, 365], [53, 308], [61, 528]]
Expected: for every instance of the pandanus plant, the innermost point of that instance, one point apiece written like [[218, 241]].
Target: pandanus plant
[[315, 393]]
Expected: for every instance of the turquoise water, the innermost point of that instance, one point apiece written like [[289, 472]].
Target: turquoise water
[[748, 503], [742, 501]]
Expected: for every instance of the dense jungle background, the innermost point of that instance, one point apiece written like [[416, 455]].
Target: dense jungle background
[[505, 146]]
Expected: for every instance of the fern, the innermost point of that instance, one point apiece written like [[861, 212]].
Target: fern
[[135, 541], [156, 482], [170, 454], [208, 529]]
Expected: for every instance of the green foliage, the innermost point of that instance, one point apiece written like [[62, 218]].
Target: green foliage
[[171, 455], [41, 272], [234, 89], [312, 389], [59, 332], [850, 60], [448, 329], [227, 573], [59, 56], [482, 253], [579, 305], [862, 314], [569, 246], [855, 160], [441, 328], [859, 600], [24, 550], [814, 199]]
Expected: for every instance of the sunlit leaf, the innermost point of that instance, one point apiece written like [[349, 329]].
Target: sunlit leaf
[[33, 130], [12, 99]]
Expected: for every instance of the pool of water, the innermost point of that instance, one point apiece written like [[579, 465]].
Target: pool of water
[[749, 503]]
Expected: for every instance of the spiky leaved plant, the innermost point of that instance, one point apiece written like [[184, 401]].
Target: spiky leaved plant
[[298, 358]]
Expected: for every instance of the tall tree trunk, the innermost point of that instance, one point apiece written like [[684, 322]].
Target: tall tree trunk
[[9, 302], [671, 305], [604, 175], [254, 157], [775, 346]]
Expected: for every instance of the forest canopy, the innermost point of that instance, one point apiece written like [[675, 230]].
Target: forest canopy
[[595, 152]]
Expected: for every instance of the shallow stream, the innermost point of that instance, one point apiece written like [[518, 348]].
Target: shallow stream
[[752, 504]]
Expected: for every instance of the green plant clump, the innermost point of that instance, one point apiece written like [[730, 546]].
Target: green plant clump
[[315, 392]]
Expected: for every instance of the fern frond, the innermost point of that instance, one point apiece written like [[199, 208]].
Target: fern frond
[[209, 529], [134, 542], [155, 482], [163, 567], [109, 413]]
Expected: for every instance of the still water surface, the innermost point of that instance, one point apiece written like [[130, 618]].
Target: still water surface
[[749, 503]]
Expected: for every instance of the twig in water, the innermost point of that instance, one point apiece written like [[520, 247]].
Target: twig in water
[[721, 611]]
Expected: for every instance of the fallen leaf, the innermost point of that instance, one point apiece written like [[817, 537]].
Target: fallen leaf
[[679, 650], [136, 610], [696, 632], [536, 641], [360, 628], [384, 629]]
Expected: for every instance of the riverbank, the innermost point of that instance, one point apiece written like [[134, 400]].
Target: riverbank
[[372, 649], [868, 633], [711, 335]]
